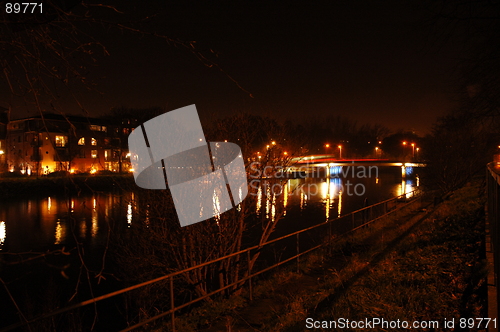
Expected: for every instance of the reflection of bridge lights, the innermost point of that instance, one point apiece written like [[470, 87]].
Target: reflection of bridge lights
[[259, 199], [405, 187], [273, 208], [303, 198], [129, 214], [339, 204], [285, 197], [216, 203]]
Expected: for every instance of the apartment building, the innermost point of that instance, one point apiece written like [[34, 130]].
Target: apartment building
[[42, 145]]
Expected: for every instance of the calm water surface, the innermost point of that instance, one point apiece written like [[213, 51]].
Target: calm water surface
[[42, 223]]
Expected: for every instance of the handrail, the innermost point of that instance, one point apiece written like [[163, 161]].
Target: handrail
[[239, 281]]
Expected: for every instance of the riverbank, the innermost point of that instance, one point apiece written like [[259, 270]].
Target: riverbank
[[46, 186], [424, 265]]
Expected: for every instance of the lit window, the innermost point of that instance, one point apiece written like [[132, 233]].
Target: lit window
[[81, 141], [97, 128], [93, 153], [93, 141], [61, 141]]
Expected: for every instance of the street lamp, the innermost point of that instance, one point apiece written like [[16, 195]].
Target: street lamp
[[340, 151], [417, 152], [376, 151], [326, 147], [413, 149]]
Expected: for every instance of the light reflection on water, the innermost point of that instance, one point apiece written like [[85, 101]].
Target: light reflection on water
[[38, 224], [334, 196], [3, 233]]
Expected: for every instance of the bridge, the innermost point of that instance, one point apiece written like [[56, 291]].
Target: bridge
[[329, 164]]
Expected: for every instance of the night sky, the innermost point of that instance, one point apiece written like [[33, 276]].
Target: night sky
[[373, 61]]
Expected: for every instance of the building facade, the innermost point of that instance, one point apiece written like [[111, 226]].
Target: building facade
[[43, 145]]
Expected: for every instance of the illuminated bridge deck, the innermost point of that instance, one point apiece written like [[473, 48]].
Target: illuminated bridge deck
[[327, 160]]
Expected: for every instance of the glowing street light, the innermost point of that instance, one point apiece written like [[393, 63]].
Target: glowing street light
[[340, 151], [418, 149], [327, 145], [273, 142], [413, 148]]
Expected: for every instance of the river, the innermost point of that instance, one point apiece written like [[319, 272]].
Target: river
[[34, 226]]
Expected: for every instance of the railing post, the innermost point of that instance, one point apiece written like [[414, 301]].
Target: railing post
[[250, 290], [172, 303]]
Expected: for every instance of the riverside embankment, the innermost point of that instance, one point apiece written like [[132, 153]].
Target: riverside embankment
[[424, 264], [22, 187]]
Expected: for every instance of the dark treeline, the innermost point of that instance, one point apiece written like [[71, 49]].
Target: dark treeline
[[316, 135], [465, 140]]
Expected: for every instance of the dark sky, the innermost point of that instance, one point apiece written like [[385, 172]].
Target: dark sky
[[373, 61]]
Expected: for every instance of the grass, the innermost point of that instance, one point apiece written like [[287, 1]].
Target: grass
[[407, 266]]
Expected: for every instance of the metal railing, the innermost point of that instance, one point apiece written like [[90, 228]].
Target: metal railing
[[305, 241]]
